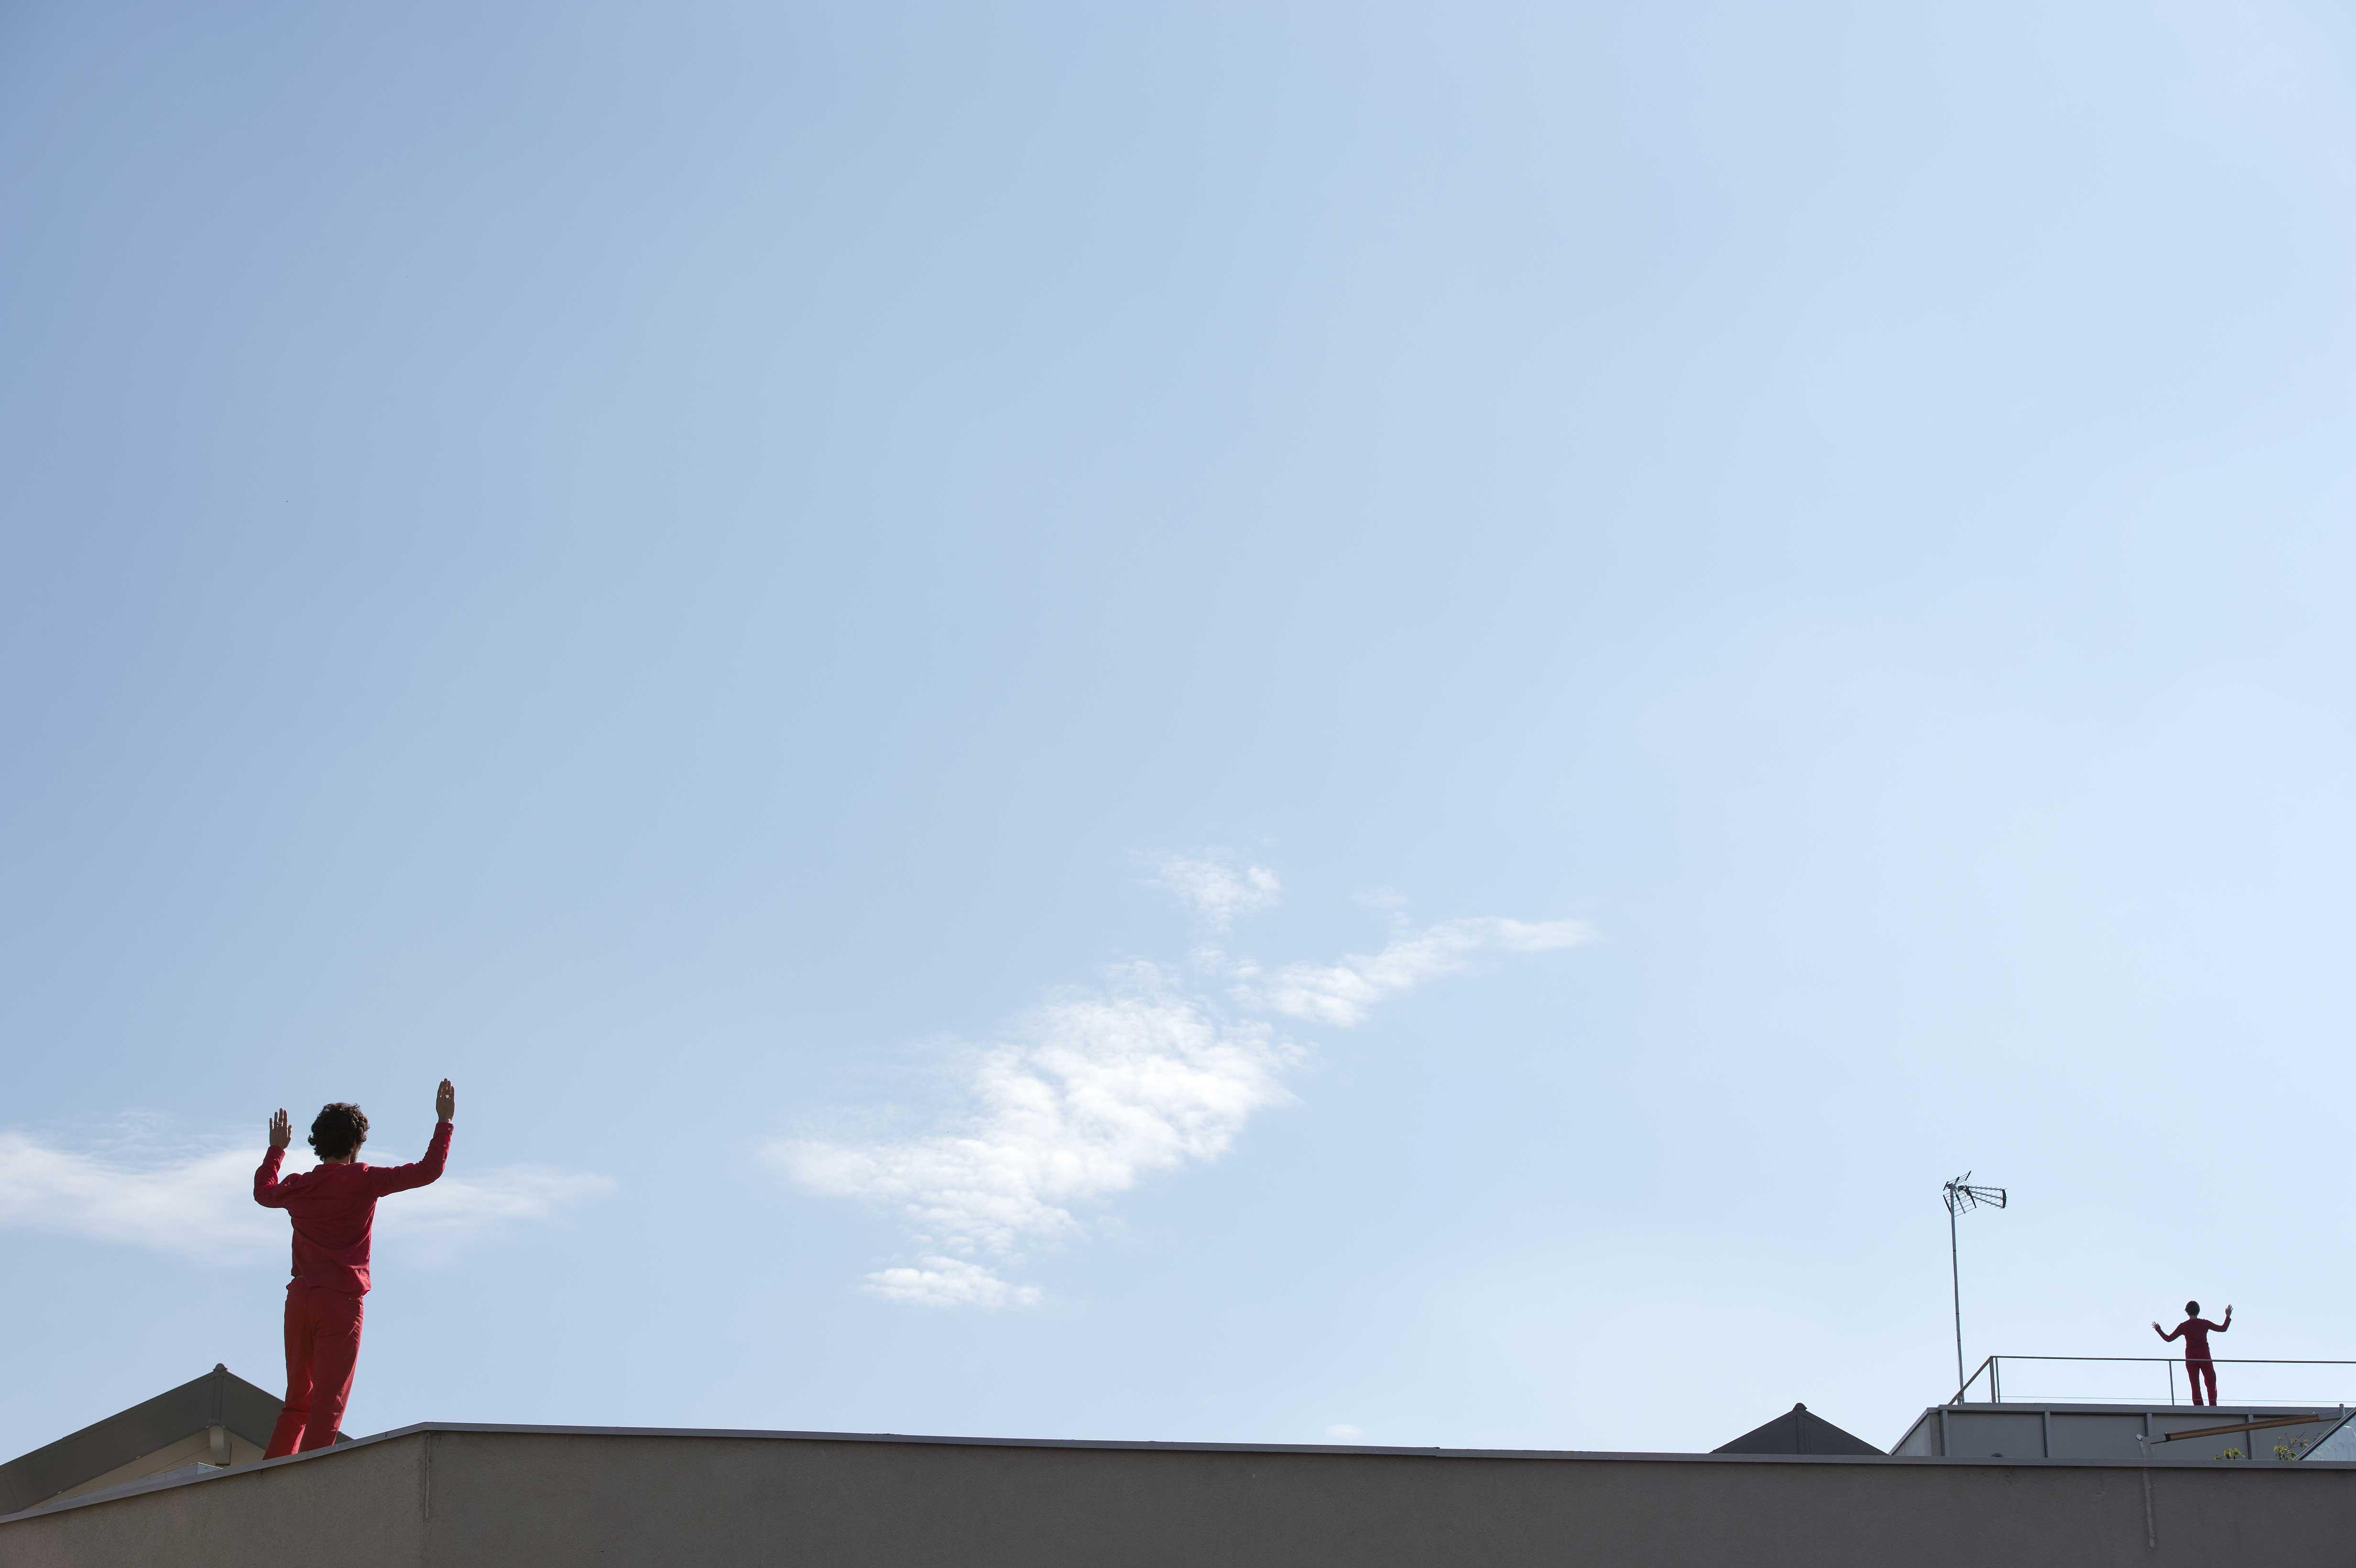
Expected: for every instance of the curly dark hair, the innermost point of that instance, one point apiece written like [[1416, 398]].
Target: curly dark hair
[[338, 1130]]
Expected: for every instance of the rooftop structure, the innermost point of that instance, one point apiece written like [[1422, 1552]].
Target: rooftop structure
[[1797, 1431], [1795, 1490], [207, 1424], [2133, 1407], [2184, 1435], [444, 1496]]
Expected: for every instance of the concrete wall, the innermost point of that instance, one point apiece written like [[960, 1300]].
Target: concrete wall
[[356, 1509], [520, 1498]]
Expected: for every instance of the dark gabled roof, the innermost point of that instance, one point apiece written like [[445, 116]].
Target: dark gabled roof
[[219, 1397], [1797, 1431]]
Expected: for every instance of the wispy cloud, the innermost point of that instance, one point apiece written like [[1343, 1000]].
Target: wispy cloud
[[1342, 993], [949, 1282], [1216, 891], [188, 1205], [1085, 1095], [444, 1219], [200, 1203]]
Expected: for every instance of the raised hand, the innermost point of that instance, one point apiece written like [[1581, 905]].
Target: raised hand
[[445, 1101], [281, 1132]]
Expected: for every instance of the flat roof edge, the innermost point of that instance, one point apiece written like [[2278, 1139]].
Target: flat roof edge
[[1119, 1446], [2089, 1407], [2075, 1407]]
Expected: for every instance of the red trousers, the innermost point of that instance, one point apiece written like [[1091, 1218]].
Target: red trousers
[[323, 1343], [2196, 1370]]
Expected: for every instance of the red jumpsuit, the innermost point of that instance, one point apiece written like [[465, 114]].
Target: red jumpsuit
[[334, 1210], [2197, 1364]]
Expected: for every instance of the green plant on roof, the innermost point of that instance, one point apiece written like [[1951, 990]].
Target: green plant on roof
[[2230, 1454]]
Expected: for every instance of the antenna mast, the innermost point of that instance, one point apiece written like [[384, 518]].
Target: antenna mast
[[1959, 1194]]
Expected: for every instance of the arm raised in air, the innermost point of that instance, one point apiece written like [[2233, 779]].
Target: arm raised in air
[[402, 1178], [265, 1178]]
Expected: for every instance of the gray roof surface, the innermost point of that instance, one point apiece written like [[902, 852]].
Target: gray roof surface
[[1798, 1430]]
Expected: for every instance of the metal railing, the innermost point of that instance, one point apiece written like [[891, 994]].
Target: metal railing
[[2126, 1386]]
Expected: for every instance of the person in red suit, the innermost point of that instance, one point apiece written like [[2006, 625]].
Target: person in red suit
[[2196, 1330], [333, 1208]]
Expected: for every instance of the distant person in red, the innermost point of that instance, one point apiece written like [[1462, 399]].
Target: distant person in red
[[2196, 1330], [334, 1210]]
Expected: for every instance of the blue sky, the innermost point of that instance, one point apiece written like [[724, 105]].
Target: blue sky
[[1208, 723]]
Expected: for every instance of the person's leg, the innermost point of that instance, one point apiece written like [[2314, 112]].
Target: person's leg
[[2194, 1374], [2209, 1376], [337, 1352], [295, 1412]]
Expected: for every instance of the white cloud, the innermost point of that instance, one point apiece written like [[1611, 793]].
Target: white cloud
[[949, 1282], [459, 1206], [1218, 893], [1087, 1093], [1094, 1091], [1342, 993], [1343, 1431], [201, 1204]]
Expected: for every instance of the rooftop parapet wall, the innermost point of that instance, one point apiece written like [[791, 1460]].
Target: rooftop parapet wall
[[2117, 1432], [457, 1497]]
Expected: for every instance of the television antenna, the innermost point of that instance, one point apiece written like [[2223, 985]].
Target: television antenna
[[1960, 1195]]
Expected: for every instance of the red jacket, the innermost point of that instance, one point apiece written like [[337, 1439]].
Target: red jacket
[[2196, 1332], [334, 1210]]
